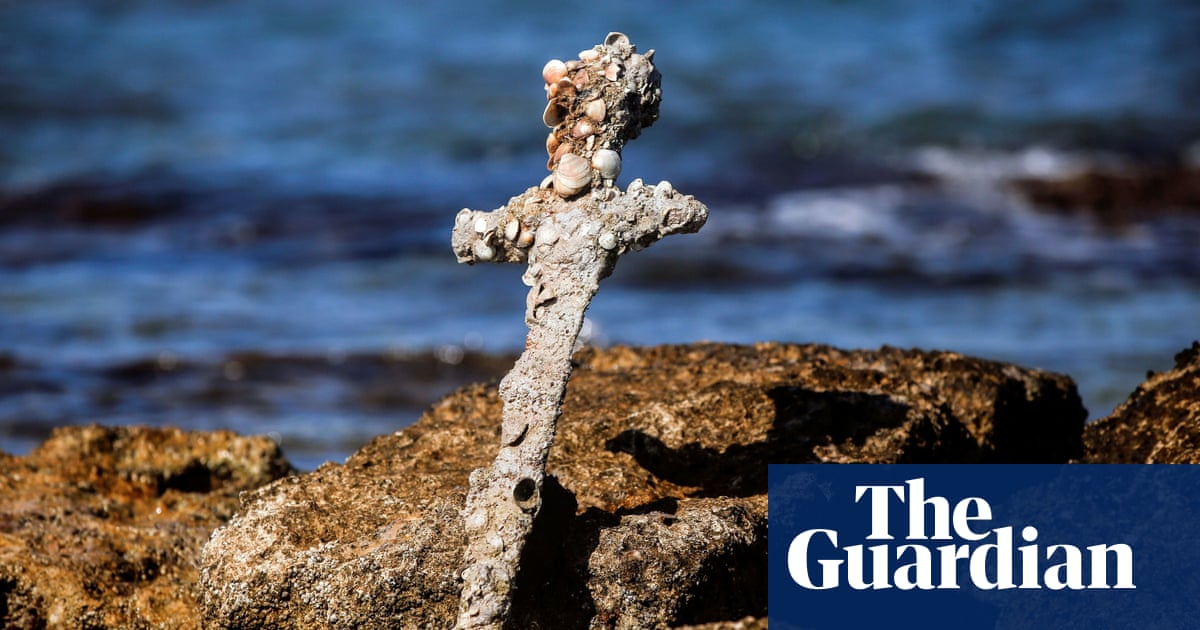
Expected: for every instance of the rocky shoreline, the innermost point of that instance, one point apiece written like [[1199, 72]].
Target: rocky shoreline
[[656, 516]]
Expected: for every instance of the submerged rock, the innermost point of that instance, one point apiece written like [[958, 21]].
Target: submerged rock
[[1158, 424], [102, 527], [1118, 198], [656, 511]]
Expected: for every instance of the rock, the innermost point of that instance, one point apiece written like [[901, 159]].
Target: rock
[[1158, 424], [655, 514], [747, 623], [102, 527], [1118, 198], [93, 202]]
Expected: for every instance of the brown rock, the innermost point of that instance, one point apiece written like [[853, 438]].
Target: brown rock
[[1158, 424], [101, 527], [747, 623], [656, 512], [1118, 198]]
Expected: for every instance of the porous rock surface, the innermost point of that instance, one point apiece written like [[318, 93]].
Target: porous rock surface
[[655, 514], [1158, 424], [102, 527]]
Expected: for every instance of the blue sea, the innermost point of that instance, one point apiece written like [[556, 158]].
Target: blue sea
[[237, 214]]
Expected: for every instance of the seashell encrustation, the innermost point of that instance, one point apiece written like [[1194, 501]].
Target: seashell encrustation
[[570, 237], [562, 150], [572, 176], [616, 39], [554, 114], [583, 129], [607, 240], [554, 70], [483, 251], [595, 110], [525, 238], [607, 162], [597, 103]]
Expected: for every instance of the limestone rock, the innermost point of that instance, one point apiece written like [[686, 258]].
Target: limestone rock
[[747, 623], [102, 527], [1158, 424], [655, 514]]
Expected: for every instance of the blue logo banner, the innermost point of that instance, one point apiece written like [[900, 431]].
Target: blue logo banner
[[984, 546]]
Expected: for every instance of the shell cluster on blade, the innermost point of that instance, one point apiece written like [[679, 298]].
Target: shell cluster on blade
[[607, 163], [572, 175], [595, 104]]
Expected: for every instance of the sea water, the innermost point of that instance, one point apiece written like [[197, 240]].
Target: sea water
[[192, 190]]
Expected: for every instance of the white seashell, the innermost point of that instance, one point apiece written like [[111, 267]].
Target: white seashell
[[595, 110], [525, 239], [616, 39], [572, 175], [483, 251], [547, 234], [612, 71], [511, 229], [589, 55], [481, 225], [551, 143], [607, 162], [635, 185], [463, 217], [554, 114], [547, 181], [583, 129], [554, 70], [664, 189], [607, 240]]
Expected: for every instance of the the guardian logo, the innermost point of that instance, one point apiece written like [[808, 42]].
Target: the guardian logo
[[949, 547]]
